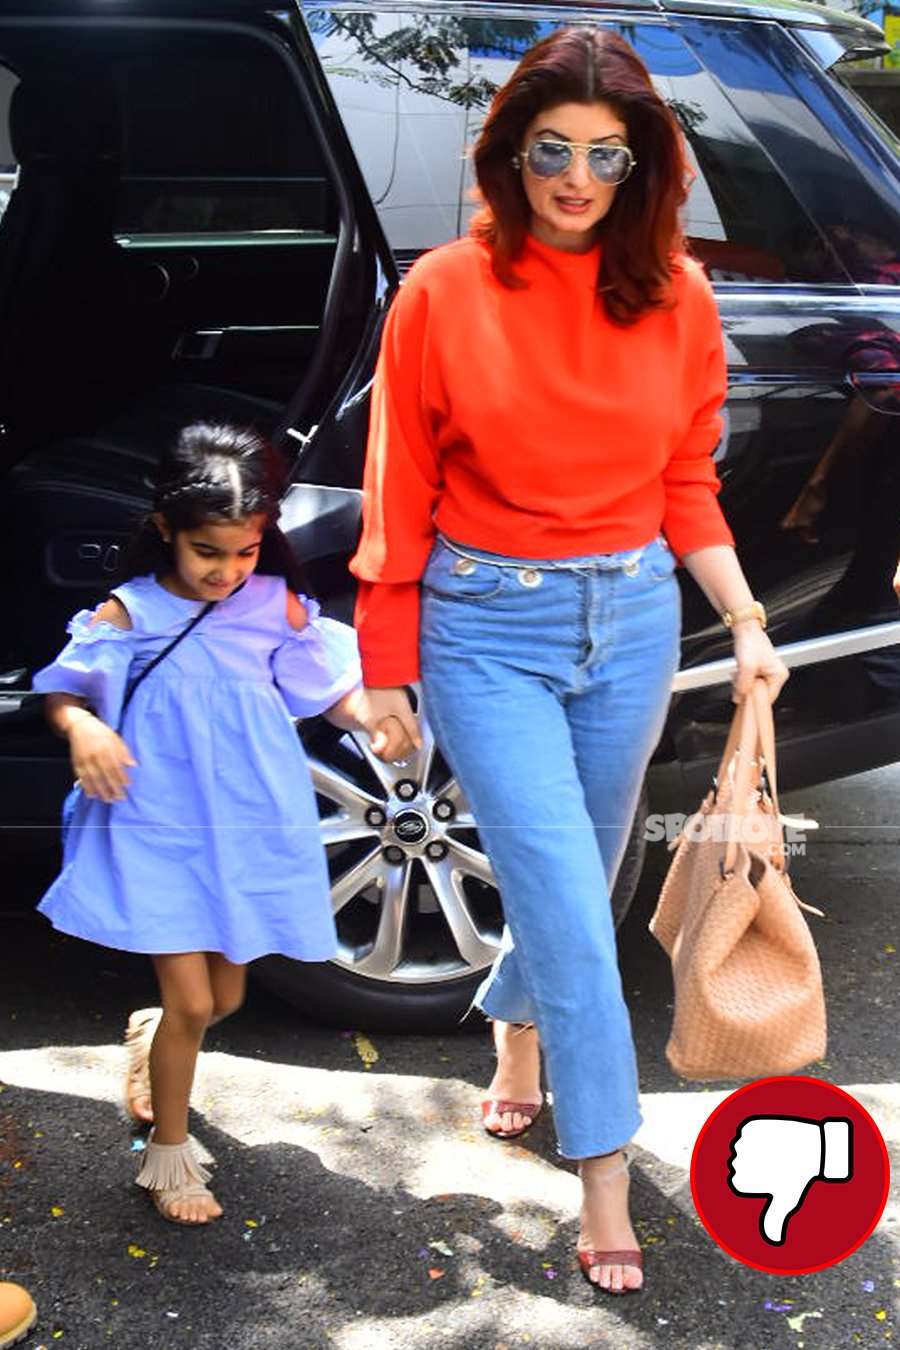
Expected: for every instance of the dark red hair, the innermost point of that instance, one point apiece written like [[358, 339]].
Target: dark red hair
[[641, 231]]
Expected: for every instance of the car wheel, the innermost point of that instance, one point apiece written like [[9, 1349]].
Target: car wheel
[[416, 906]]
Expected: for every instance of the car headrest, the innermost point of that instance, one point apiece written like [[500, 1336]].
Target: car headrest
[[52, 117]]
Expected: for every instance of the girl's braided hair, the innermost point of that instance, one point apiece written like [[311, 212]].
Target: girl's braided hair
[[215, 473]]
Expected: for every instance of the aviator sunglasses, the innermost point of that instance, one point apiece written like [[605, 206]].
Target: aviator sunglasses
[[608, 163]]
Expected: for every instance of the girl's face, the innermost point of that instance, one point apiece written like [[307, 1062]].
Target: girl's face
[[567, 208], [211, 560]]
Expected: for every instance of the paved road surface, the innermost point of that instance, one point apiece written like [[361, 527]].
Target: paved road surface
[[365, 1208]]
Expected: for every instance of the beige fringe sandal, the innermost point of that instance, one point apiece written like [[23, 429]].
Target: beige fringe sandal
[[174, 1173], [139, 1035]]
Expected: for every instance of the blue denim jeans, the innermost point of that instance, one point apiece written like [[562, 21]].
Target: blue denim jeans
[[547, 684]]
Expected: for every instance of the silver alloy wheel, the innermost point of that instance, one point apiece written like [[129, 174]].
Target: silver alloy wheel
[[414, 896]]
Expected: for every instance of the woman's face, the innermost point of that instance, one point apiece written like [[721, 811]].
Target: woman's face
[[567, 208]]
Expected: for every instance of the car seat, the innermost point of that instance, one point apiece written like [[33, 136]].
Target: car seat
[[58, 260]]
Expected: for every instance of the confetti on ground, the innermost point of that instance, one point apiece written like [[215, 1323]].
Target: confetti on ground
[[250, 1223], [365, 1049], [777, 1307], [136, 1251], [57, 1211], [868, 1286], [796, 1323], [434, 1273], [441, 1246], [881, 1314]]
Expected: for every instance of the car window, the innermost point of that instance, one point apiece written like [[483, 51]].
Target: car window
[[845, 176], [875, 82], [413, 89], [215, 142], [8, 82]]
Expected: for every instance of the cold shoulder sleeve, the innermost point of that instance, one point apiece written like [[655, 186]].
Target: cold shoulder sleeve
[[93, 665], [316, 666]]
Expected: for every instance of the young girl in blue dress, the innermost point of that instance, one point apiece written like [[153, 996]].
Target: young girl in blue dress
[[196, 837]]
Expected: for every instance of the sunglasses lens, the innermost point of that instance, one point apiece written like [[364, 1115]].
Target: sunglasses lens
[[548, 158], [609, 163]]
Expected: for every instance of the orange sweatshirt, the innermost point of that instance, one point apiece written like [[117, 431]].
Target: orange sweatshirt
[[525, 423]]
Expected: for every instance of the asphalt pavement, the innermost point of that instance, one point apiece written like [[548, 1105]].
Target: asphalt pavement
[[364, 1206]]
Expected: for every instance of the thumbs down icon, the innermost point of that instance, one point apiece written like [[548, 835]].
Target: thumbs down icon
[[782, 1157]]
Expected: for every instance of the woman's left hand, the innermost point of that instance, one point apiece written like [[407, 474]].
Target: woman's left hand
[[756, 659]]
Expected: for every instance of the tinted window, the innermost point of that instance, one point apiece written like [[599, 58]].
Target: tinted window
[[215, 141], [876, 83], [8, 82], [413, 89], [841, 166]]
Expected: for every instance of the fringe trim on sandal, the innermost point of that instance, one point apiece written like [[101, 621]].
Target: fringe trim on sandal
[[139, 1035], [171, 1167], [201, 1152]]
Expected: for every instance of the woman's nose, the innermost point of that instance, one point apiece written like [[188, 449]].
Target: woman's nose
[[578, 170]]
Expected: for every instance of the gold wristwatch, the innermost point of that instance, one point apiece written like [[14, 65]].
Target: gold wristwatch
[[755, 610]]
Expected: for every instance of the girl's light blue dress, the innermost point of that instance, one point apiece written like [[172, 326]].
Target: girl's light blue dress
[[217, 846]]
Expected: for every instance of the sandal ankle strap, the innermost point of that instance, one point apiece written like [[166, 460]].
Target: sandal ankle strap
[[171, 1167]]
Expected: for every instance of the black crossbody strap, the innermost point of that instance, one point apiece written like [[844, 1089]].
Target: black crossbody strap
[[161, 656]]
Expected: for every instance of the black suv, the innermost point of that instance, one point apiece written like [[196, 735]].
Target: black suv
[[213, 204]]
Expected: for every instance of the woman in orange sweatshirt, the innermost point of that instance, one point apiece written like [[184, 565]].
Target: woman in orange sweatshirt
[[545, 409]]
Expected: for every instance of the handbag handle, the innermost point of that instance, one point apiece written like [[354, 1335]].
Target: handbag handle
[[752, 739]]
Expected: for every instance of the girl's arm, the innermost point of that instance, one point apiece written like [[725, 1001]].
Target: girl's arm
[[297, 615], [100, 758], [718, 574], [387, 716]]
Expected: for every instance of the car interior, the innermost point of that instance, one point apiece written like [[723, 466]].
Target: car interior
[[178, 245]]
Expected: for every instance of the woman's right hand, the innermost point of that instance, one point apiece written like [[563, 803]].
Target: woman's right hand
[[100, 758], [390, 721]]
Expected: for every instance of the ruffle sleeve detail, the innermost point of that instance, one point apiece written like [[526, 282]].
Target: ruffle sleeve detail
[[315, 667], [93, 665]]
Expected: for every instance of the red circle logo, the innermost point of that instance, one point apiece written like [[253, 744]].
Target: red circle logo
[[790, 1175]]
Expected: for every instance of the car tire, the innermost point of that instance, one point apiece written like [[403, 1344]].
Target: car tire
[[418, 914]]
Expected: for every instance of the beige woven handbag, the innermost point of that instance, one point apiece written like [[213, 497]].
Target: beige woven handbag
[[748, 987]]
